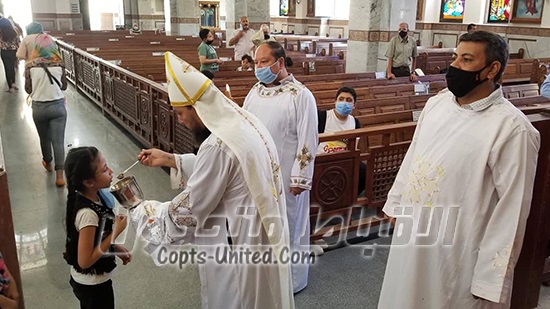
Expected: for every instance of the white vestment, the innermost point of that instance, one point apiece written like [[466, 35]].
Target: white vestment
[[290, 114], [216, 194], [234, 190], [461, 199]]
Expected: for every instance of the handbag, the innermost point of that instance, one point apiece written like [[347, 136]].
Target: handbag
[[61, 84]]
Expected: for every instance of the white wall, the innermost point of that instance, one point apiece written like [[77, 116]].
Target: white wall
[[431, 11], [42, 6]]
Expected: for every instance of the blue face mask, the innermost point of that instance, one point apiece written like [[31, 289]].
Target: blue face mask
[[265, 75], [107, 197], [344, 108]]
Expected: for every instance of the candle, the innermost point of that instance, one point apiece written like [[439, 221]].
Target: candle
[[228, 90]]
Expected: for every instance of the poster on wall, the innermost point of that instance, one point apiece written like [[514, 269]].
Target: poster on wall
[[527, 11], [452, 10], [499, 11]]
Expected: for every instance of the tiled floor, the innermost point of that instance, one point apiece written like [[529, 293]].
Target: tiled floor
[[341, 278]]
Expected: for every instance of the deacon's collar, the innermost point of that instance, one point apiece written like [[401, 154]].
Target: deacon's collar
[[484, 103]]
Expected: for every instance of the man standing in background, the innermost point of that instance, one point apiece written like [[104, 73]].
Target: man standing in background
[[401, 52], [243, 40]]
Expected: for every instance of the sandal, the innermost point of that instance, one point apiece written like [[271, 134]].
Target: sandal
[[60, 183], [48, 166]]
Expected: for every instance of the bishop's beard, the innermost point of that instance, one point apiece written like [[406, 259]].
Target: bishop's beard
[[200, 136]]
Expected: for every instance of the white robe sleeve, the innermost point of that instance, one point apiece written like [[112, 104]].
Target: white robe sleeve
[[184, 168], [175, 222], [308, 139], [513, 166]]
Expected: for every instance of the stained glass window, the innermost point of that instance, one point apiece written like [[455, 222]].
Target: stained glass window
[[452, 10], [499, 11], [283, 11]]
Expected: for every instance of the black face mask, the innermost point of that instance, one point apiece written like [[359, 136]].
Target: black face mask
[[403, 34], [209, 42], [461, 82]]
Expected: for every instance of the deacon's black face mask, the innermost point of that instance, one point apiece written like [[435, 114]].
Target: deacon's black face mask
[[461, 82]]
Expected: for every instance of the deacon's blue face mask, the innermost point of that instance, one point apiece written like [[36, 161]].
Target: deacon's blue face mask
[[344, 108], [265, 75]]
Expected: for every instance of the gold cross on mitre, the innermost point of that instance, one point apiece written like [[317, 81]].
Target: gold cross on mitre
[[185, 83]]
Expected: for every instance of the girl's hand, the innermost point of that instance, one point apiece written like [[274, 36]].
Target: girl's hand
[[11, 290], [123, 254], [8, 303], [120, 224], [12, 293]]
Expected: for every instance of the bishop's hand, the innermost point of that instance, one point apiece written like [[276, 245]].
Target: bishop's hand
[[155, 157]]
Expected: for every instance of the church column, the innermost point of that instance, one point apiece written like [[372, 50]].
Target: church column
[[183, 17], [301, 16], [257, 12], [147, 14], [131, 13], [57, 14], [372, 23]]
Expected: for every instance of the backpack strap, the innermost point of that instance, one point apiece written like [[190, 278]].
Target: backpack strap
[[357, 123], [50, 76], [322, 120]]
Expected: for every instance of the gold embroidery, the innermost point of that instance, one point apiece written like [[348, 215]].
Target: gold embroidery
[[501, 260], [304, 157], [423, 182], [180, 212], [301, 182]]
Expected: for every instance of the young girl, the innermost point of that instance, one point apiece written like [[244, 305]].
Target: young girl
[[9, 295], [90, 229]]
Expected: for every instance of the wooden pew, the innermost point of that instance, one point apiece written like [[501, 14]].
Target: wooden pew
[[435, 60], [299, 42]]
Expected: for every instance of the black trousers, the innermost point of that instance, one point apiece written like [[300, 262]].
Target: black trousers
[[8, 58], [403, 71], [99, 296]]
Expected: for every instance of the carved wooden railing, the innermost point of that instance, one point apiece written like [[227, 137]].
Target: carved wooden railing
[[336, 178], [138, 104]]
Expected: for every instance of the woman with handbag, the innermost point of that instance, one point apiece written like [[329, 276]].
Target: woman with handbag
[[45, 82], [9, 42]]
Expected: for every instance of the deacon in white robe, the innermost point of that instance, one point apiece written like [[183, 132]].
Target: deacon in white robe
[[288, 110], [463, 192], [461, 199], [232, 203]]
